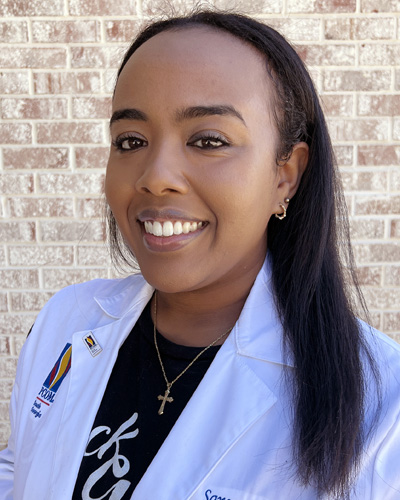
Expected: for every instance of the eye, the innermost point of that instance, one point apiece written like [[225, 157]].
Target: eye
[[209, 141], [129, 143]]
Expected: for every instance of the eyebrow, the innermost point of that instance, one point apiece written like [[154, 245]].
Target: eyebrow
[[128, 114], [181, 115], [202, 111]]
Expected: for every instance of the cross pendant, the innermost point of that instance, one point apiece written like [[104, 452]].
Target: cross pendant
[[164, 399]]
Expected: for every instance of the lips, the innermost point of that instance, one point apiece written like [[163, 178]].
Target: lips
[[169, 228]]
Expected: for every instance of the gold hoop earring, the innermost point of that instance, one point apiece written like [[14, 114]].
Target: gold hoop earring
[[283, 214]]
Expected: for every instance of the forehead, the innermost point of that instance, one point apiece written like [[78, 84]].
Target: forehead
[[195, 63]]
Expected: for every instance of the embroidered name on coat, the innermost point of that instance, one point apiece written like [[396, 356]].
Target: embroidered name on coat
[[209, 496], [47, 393]]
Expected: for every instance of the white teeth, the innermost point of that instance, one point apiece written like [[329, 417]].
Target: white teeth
[[168, 228], [157, 229], [178, 227]]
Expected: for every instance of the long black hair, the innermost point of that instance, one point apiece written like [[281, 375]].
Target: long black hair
[[311, 262]]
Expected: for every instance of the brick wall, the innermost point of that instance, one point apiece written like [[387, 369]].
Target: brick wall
[[57, 68]]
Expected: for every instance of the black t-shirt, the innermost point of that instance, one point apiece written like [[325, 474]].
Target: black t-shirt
[[128, 431]]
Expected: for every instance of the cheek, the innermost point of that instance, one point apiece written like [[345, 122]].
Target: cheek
[[118, 190]]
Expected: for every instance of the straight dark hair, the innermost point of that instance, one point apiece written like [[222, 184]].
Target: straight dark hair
[[311, 256]]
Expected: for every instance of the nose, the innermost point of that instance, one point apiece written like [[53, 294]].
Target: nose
[[163, 172]]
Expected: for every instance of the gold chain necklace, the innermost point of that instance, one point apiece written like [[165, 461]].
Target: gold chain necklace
[[166, 397]]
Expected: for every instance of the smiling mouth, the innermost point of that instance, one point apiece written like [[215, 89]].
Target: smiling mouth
[[169, 228]]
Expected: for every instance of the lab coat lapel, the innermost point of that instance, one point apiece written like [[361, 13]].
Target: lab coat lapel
[[89, 377], [227, 402]]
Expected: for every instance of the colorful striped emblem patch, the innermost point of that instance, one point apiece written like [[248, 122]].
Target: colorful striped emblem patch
[[60, 369]]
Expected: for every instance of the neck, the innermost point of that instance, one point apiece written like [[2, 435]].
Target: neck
[[197, 318]]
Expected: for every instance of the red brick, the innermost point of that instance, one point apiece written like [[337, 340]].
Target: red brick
[[19, 278], [71, 132], [13, 32], [59, 278], [369, 275], [69, 82], [17, 324], [335, 6], [28, 301], [31, 8], [397, 79], [8, 365], [391, 321], [394, 182], [102, 7], [387, 54], [326, 55], [344, 155], [313, 6], [32, 158], [66, 31], [91, 107], [5, 431], [382, 6], [95, 57], [19, 341], [16, 183], [15, 133], [122, 30], [396, 129], [359, 130], [367, 229], [299, 29], [40, 207], [97, 255], [381, 105], [377, 205], [70, 183], [360, 29], [395, 228], [110, 78], [72, 231], [5, 349], [13, 82], [378, 298], [2, 262], [28, 108], [91, 157], [365, 181], [17, 231], [392, 275], [17, 57], [377, 252], [378, 155], [3, 302], [356, 80], [5, 389], [90, 207], [337, 105], [37, 255]]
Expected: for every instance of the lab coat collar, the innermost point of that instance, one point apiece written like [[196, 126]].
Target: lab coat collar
[[258, 316]]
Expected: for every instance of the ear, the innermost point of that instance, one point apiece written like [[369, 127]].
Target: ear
[[290, 173]]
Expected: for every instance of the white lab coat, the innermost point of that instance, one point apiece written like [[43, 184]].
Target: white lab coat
[[232, 440]]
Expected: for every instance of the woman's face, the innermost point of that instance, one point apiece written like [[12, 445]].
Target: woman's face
[[192, 179]]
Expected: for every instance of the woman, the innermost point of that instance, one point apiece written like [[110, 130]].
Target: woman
[[233, 367]]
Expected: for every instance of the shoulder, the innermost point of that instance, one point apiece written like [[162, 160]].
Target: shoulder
[[88, 305], [385, 351]]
